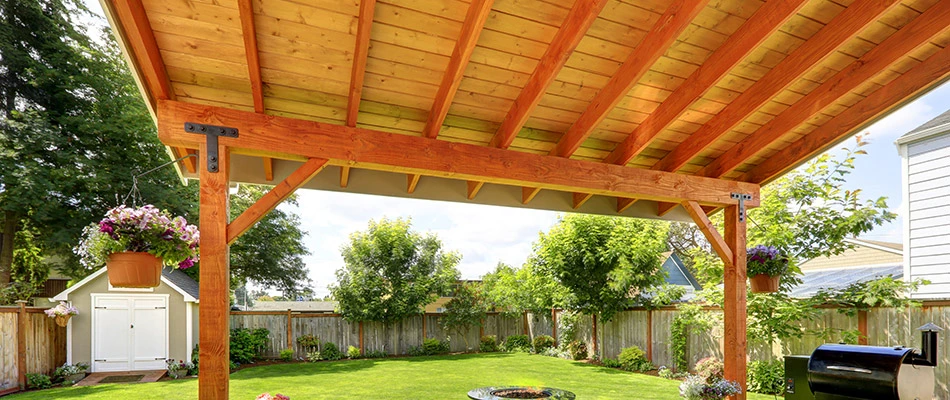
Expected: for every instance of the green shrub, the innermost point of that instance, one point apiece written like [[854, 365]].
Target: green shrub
[[246, 345], [517, 343], [313, 356], [233, 365], [308, 342], [767, 377], [711, 369], [330, 352], [38, 381], [287, 354], [376, 354], [194, 361], [611, 363], [634, 359], [577, 349], [542, 343], [488, 344], [353, 352], [432, 346]]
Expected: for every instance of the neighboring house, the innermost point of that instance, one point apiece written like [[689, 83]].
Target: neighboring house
[[678, 274], [325, 307], [121, 329], [868, 260], [925, 160], [54, 284]]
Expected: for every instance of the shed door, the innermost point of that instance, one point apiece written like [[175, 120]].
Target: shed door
[[130, 333]]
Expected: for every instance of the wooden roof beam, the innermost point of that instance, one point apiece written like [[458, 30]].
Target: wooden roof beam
[[363, 30], [663, 208], [249, 32], [698, 214], [471, 29], [841, 29], [272, 199], [578, 199], [344, 176], [472, 188], [670, 25], [572, 30], [189, 163], [296, 139], [528, 193], [412, 180], [864, 113], [921, 30], [624, 203], [130, 15], [766, 20]]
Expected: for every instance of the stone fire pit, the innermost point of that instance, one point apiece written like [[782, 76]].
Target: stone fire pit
[[519, 392]]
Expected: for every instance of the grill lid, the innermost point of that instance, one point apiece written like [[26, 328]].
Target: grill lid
[[860, 371]]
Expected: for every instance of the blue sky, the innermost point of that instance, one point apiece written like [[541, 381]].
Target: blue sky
[[485, 235]]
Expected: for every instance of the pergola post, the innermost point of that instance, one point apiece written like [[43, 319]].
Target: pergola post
[[214, 310], [734, 304]]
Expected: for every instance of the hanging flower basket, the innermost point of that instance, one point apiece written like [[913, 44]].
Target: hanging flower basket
[[765, 266], [61, 313], [62, 320], [137, 269], [134, 244]]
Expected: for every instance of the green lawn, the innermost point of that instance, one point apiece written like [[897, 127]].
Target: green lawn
[[448, 377]]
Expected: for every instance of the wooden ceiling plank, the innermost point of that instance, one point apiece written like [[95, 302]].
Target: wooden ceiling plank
[[841, 29], [528, 193], [145, 52], [295, 139], [900, 91], [272, 199], [663, 208], [578, 199], [623, 203], [572, 30], [471, 29], [696, 212], [412, 180], [670, 25], [472, 188], [268, 168], [249, 32], [363, 31], [766, 20], [922, 29], [344, 176]]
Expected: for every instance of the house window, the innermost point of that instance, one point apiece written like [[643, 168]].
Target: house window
[[440, 310]]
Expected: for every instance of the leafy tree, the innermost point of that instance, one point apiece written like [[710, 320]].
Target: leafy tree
[[513, 291], [606, 263], [242, 297], [391, 272], [465, 310], [270, 254]]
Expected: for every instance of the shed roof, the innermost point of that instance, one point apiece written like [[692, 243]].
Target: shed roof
[[813, 281], [174, 278], [602, 106]]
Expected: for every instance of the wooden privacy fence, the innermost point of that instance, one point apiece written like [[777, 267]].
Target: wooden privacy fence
[[30, 343]]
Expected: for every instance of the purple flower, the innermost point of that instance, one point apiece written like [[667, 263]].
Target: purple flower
[[187, 263], [168, 235], [106, 226]]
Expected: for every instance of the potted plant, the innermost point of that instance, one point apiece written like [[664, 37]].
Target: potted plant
[[177, 369], [62, 312], [765, 266], [697, 388], [134, 243], [72, 373]]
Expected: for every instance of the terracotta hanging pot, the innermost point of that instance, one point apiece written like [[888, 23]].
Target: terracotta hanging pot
[[134, 270], [763, 283], [62, 320]]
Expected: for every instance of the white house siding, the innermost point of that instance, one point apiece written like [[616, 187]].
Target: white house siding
[[928, 214]]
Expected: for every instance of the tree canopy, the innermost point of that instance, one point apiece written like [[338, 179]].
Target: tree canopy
[[390, 272]]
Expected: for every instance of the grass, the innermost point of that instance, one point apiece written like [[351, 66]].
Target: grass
[[443, 377]]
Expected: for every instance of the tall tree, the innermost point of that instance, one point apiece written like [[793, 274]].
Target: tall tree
[[464, 311], [390, 272], [606, 263], [529, 288]]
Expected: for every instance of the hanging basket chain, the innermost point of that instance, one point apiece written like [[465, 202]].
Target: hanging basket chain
[[134, 192]]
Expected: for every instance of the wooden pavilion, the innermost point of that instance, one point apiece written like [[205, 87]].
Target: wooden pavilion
[[645, 108]]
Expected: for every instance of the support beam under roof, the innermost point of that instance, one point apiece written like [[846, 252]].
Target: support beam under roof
[[363, 29], [249, 33]]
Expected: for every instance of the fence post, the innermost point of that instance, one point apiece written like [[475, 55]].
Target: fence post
[[481, 329], [554, 325], [863, 327], [423, 326], [524, 319], [594, 317], [362, 352], [21, 344], [650, 335], [290, 330]]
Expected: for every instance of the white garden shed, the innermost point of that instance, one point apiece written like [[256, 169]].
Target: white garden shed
[[125, 329]]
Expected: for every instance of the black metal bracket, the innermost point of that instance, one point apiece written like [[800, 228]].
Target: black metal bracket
[[742, 199], [212, 132]]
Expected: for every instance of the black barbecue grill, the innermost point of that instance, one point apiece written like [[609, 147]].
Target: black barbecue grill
[[842, 372]]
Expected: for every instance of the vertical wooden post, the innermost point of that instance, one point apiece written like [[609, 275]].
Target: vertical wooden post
[[22, 321], [524, 320], [734, 307], [423, 326], [554, 325], [213, 336], [650, 335], [863, 327], [481, 329], [290, 329], [362, 352], [594, 318]]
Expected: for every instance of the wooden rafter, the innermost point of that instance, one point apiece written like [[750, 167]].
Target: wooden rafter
[[471, 29], [904, 88], [569, 35], [663, 208], [528, 193], [272, 199], [412, 180], [189, 163], [670, 25], [919, 31], [578, 199], [249, 32], [624, 203], [719, 245], [472, 188], [145, 53], [363, 30], [766, 20], [344, 176], [842, 28], [294, 139]]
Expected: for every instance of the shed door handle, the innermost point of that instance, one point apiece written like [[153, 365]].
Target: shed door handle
[[850, 369]]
